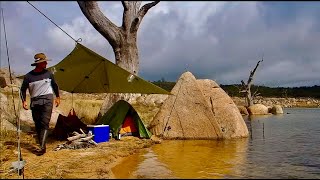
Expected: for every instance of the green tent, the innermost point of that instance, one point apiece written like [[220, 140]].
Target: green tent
[[115, 117], [84, 71]]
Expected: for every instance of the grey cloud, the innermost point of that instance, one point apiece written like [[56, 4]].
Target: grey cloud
[[242, 37], [224, 43]]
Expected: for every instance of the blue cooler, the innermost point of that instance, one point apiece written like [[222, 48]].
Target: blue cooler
[[100, 132]]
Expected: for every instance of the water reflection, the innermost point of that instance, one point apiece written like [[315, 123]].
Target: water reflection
[[125, 169], [281, 147], [142, 165], [186, 159]]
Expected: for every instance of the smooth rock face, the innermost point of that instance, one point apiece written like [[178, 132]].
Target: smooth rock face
[[5, 123], [225, 111], [258, 109], [3, 102], [276, 109], [5, 78], [198, 109], [243, 110]]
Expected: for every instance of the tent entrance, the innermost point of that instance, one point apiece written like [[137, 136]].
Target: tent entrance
[[129, 127]]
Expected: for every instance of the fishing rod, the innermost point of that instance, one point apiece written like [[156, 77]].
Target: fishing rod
[[17, 165]]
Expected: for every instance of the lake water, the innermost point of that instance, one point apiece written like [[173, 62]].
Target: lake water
[[279, 146]]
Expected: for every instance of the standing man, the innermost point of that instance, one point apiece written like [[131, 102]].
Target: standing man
[[41, 85]]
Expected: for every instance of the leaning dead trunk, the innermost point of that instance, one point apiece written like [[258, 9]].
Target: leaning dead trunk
[[246, 88], [249, 98]]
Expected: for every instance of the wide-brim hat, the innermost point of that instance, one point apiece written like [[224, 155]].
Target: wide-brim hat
[[40, 57]]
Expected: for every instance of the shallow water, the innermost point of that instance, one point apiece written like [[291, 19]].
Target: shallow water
[[279, 146]]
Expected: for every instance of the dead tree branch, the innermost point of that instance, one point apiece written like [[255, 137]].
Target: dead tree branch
[[246, 87]]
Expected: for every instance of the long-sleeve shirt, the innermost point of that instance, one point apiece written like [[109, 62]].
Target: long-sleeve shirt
[[41, 86]]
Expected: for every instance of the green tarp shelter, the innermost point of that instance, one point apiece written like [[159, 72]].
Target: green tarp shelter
[[115, 116], [84, 71]]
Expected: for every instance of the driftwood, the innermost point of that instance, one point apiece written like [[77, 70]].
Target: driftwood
[[78, 136], [78, 141]]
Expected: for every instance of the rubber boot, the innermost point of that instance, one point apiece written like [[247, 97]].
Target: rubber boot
[[44, 135], [38, 136]]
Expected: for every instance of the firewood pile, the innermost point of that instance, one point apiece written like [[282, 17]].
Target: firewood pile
[[78, 141]]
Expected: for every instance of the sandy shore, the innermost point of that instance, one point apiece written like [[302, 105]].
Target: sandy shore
[[90, 163]]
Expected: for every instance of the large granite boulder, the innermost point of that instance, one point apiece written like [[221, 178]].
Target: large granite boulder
[[276, 109], [225, 111], [258, 109], [4, 115], [198, 109], [243, 110]]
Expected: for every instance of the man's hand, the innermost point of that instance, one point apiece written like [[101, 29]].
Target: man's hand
[[24, 105], [57, 101]]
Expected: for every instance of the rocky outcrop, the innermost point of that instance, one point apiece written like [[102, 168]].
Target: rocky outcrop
[[9, 117], [283, 102], [258, 109], [3, 101], [5, 78], [276, 109], [149, 99], [4, 115], [198, 109], [243, 110]]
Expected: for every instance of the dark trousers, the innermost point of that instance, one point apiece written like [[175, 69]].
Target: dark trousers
[[41, 115]]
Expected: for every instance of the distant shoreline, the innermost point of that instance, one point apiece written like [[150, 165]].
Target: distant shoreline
[[299, 102]]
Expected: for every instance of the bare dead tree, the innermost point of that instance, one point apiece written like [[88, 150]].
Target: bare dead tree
[[123, 39], [246, 87]]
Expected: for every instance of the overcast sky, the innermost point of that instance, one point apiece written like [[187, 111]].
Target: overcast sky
[[217, 40]]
